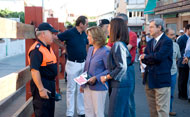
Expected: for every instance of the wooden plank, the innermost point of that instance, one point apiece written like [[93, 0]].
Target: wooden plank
[[25, 110], [16, 30], [10, 83]]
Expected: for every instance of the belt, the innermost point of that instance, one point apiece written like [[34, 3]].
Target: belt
[[78, 61]]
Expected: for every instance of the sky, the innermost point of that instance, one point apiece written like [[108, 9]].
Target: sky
[[62, 7], [79, 7]]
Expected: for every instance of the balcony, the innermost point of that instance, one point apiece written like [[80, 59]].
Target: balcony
[[172, 7], [136, 21]]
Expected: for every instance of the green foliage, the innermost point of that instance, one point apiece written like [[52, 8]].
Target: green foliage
[[67, 23], [10, 14], [92, 24]]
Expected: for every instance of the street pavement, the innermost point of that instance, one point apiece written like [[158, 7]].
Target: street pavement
[[182, 107], [12, 64]]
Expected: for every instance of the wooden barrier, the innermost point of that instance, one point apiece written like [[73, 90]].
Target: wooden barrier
[[16, 30], [12, 82], [25, 110]]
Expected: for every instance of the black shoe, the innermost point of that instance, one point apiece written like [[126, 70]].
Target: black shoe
[[81, 115], [182, 98], [189, 100]]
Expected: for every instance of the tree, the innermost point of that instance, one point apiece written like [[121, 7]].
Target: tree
[[92, 24], [10, 14]]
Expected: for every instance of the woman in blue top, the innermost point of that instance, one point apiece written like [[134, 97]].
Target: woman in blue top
[[119, 66], [96, 65]]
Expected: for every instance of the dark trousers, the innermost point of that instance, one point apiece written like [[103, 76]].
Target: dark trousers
[[43, 107], [182, 82]]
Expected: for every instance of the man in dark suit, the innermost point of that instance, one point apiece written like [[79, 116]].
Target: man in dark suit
[[157, 79], [183, 68]]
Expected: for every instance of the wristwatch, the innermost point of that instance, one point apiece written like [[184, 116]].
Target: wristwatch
[[105, 77]]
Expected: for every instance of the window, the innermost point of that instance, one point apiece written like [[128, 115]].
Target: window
[[134, 14], [1, 40], [185, 23], [138, 13], [142, 14], [130, 14]]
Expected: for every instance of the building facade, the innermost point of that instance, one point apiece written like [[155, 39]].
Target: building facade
[[107, 16], [135, 12], [11, 47], [176, 13]]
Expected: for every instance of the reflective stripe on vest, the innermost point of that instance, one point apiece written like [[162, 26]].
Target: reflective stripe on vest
[[48, 56]]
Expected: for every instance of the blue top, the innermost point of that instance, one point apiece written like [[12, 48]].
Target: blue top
[[119, 65], [96, 65], [187, 49], [76, 43]]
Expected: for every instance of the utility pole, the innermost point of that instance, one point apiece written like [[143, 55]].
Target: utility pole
[[43, 9]]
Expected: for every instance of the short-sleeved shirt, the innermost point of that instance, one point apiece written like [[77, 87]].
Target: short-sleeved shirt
[[76, 43], [133, 42], [36, 58]]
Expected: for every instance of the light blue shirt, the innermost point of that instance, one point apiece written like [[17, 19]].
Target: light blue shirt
[[187, 48], [96, 65]]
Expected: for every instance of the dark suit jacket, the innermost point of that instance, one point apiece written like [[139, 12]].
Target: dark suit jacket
[[159, 63], [182, 44]]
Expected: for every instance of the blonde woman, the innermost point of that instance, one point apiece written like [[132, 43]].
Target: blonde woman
[[96, 65]]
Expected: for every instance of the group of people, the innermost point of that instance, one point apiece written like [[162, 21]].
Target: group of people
[[107, 53]]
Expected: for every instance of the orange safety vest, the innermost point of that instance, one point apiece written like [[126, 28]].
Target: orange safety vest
[[48, 56]]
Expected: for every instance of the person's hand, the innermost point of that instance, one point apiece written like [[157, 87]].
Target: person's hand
[[81, 90], [142, 56], [44, 93], [185, 60], [103, 79], [64, 51], [92, 80]]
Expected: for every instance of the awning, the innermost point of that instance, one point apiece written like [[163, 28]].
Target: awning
[[150, 7]]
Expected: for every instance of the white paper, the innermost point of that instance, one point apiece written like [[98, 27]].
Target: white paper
[[81, 79]]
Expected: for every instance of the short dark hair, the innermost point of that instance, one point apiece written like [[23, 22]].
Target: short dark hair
[[167, 30], [103, 22], [124, 16], [119, 31], [187, 27], [81, 19]]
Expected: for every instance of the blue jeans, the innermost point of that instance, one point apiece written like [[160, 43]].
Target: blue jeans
[[173, 82], [119, 102], [188, 83], [132, 108]]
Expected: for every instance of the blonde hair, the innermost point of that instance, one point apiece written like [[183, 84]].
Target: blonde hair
[[97, 35]]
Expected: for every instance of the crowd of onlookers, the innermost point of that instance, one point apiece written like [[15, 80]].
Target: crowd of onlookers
[[107, 53]]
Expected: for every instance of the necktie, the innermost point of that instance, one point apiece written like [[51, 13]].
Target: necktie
[[154, 43]]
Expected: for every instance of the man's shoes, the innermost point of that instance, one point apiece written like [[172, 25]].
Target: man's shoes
[[189, 100], [172, 113], [81, 115], [182, 98]]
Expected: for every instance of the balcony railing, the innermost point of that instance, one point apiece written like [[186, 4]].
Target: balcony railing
[[136, 21]]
